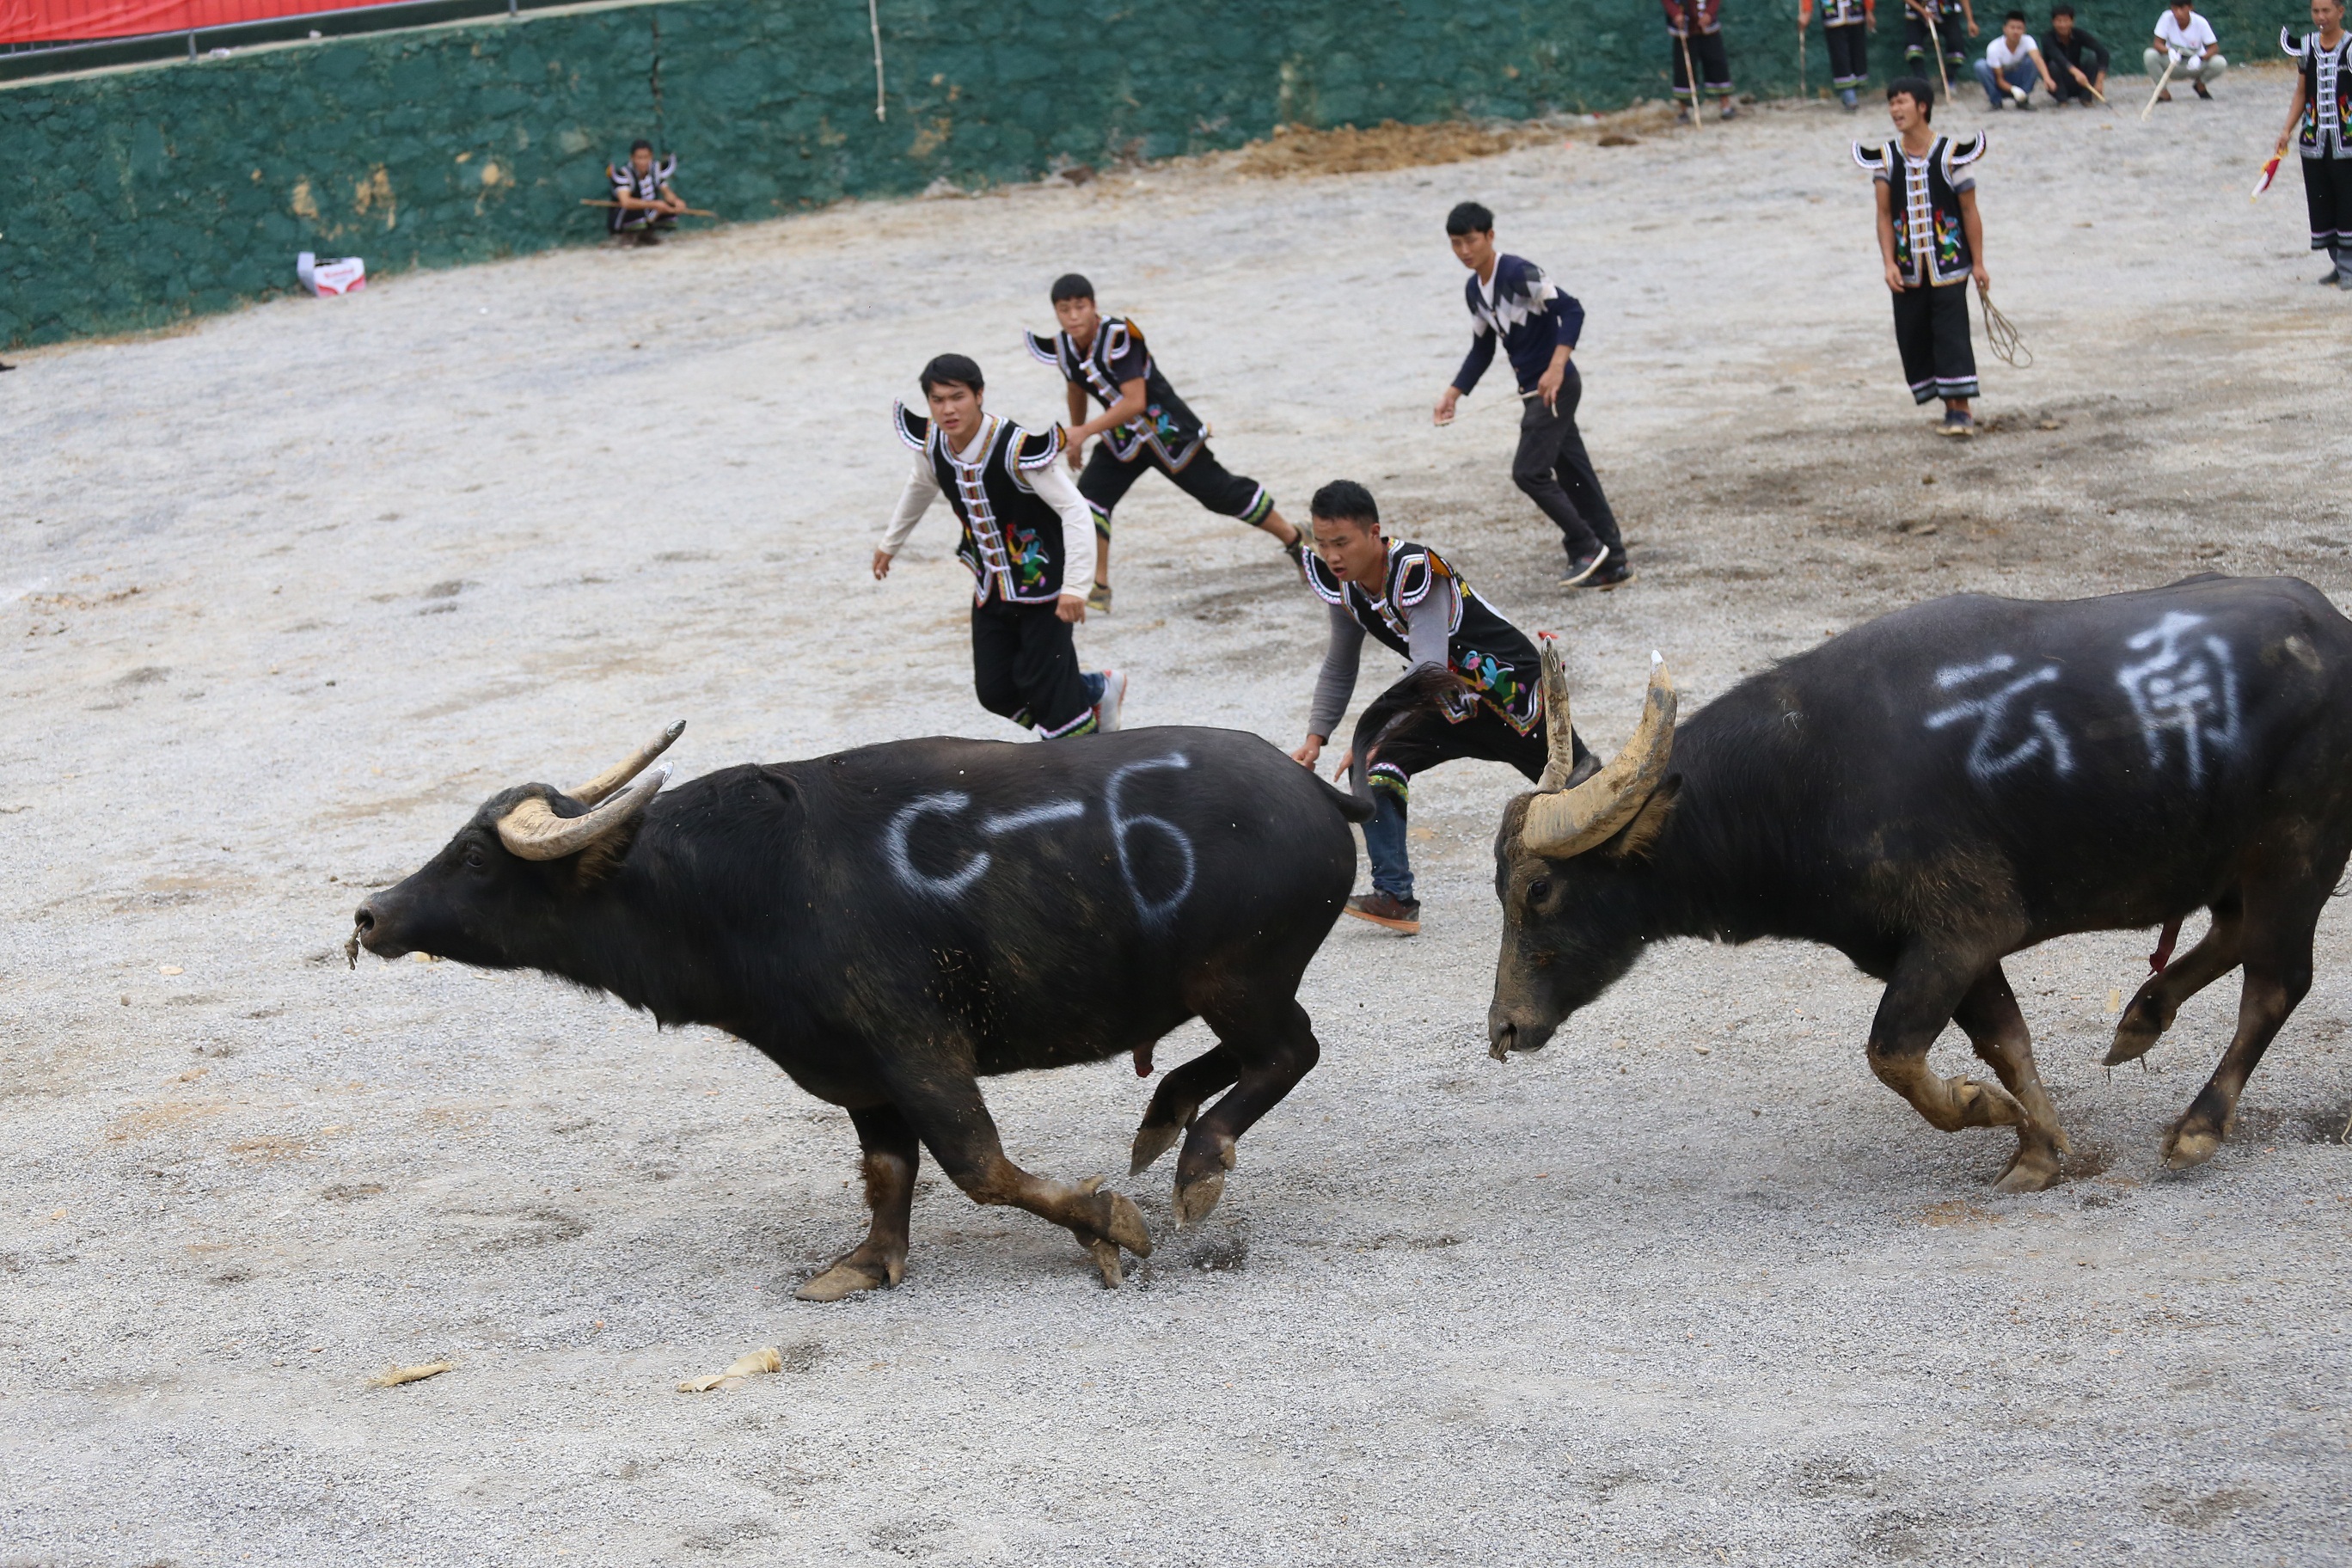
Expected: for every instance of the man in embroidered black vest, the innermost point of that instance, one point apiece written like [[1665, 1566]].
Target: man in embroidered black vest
[[643, 205], [1024, 524], [1931, 244], [1143, 426], [1513, 304], [1488, 697]]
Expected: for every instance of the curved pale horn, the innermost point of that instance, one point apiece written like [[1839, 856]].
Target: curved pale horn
[[1570, 822], [533, 831], [1559, 732], [621, 772]]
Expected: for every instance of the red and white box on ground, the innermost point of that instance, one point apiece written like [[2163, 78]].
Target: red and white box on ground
[[339, 275]]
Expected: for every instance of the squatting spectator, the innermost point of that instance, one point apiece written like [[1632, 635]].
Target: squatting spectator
[[2012, 65], [2077, 61], [2184, 42], [642, 203]]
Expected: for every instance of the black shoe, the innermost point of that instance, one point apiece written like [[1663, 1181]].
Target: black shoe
[[1610, 577], [1400, 915], [1581, 568], [2333, 280], [2202, 92]]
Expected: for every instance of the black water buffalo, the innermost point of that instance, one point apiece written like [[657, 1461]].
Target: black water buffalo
[[888, 924], [1943, 786]]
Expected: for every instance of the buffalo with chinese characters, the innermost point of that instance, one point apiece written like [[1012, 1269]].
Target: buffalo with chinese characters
[[1943, 786], [891, 925]]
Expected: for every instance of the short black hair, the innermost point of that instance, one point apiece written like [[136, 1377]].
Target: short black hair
[[2017, 17], [1071, 286], [1918, 89], [1344, 501], [1467, 217], [951, 367], [640, 145], [2062, 9]]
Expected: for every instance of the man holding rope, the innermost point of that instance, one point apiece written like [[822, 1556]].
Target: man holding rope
[[1931, 243], [2319, 121], [1513, 303]]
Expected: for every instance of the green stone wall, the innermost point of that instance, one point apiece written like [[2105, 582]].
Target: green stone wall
[[145, 194]]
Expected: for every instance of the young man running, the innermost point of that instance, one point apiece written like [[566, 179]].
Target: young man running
[[1513, 303], [1489, 687], [1024, 524], [2319, 120], [1930, 243], [1143, 426], [1846, 26]]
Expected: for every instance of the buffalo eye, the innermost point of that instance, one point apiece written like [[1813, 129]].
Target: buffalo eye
[[475, 859], [1539, 890]]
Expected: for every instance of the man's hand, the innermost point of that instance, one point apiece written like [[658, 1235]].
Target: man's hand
[[1984, 279], [1070, 607], [1548, 383], [1347, 761], [1894, 277], [1074, 455], [1444, 413], [1308, 751], [881, 565], [1973, 29], [2076, 72]]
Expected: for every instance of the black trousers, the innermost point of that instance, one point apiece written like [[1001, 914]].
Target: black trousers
[[1106, 480], [1556, 472], [1707, 54], [1024, 667], [2327, 192], [1849, 54], [1919, 55], [2064, 87], [1931, 333], [1419, 742]]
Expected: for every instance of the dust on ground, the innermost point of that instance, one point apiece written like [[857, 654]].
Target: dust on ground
[[1687, 1287]]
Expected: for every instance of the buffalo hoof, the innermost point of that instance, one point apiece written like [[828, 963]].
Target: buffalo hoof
[[1105, 1257], [2140, 1028], [1196, 1197], [841, 1280], [1151, 1142], [2031, 1171], [1115, 1219], [1984, 1104], [2186, 1146]]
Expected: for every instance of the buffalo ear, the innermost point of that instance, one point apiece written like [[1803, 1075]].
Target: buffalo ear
[[604, 857], [1633, 841]]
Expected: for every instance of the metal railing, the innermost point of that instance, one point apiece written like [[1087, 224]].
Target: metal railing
[[19, 61]]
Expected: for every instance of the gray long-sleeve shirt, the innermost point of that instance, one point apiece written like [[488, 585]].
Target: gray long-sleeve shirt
[[1430, 626]]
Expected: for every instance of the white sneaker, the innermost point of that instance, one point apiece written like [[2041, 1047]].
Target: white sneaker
[[1114, 694]]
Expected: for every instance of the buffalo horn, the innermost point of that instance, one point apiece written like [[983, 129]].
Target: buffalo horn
[[621, 772], [533, 831], [1560, 734], [1569, 822]]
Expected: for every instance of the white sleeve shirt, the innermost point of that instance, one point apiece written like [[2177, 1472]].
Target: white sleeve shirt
[[1999, 56], [2192, 40], [1053, 485]]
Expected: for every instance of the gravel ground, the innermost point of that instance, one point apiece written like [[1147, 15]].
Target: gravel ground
[[291, 592]]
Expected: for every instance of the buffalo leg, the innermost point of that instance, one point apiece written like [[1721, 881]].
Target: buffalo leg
[[1178, 1100], [953, 1118], [1925, 990], [1270, 1062], [1988, 1015], [2158, 1001], [2276, 951], [892, 1154]]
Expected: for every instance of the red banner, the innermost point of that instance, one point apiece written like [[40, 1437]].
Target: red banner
[[68, 21]]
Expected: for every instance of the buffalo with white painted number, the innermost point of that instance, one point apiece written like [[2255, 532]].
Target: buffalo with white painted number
[[1946, 785], [893, 923]]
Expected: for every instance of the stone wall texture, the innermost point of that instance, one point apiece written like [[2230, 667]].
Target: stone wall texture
[[143, 194]]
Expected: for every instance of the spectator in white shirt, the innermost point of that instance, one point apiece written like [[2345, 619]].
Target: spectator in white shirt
[[2012, 65], [2184, 42]]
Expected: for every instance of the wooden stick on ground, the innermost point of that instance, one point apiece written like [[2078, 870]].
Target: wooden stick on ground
[[690, 212]]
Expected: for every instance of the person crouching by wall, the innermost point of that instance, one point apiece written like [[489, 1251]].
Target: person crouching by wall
[[644, 206]]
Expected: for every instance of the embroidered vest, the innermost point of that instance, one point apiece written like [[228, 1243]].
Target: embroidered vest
[[1842, 14], [2326, 129], [1167, 425], [1012, 539], [1492, 658], [1931, 245]]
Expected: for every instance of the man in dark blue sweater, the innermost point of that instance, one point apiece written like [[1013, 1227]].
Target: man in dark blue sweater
[[1511, 301]]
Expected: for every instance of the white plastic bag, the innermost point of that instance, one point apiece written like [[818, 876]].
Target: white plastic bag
[[342, 275]]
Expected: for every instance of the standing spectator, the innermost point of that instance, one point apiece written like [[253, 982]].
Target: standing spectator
[[2078, 62], [2012, 64], [1950, 19], [2185, 42], [642, 203], [1931, 243], [1695, 30], [2320, 120], [1845, 28]]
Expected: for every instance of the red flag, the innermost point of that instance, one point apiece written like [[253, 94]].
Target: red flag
[[2270, 173]]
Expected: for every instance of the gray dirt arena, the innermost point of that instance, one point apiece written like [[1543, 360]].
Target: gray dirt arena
[[291, 592]]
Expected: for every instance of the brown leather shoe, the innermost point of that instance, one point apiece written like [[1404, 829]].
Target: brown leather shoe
[[1382, 909]]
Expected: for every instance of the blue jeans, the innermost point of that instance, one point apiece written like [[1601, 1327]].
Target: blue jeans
[[2021, 74], [1384, 846]]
